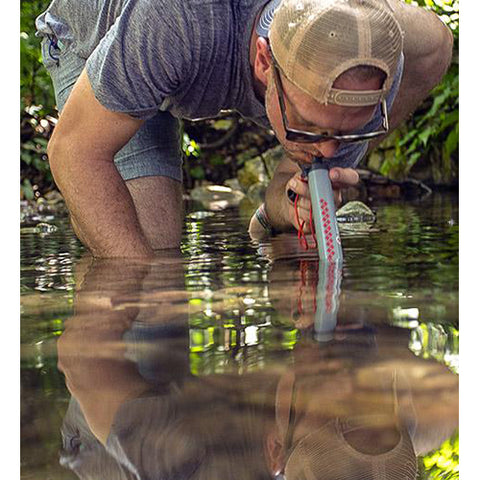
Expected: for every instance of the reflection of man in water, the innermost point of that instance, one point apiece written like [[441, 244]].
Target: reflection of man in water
[[367, 441], [361, 403]]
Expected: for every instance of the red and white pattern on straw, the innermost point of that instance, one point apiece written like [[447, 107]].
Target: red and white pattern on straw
[[327, 228]]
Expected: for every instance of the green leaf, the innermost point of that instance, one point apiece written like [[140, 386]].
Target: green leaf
[[448, 119], [222, 124], [413, 159], [27, 189], [437, 102], [197, 172], [386, 167], [413, 146], [26, 157], [406, 138], [43, 142], [424, 135], [451, 143]]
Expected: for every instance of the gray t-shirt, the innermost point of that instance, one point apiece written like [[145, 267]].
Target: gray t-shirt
[[188, 57]]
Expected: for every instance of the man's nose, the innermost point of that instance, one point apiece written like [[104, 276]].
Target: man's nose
[[327, 149]]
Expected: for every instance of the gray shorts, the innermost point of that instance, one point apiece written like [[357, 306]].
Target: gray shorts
[[155, 150]]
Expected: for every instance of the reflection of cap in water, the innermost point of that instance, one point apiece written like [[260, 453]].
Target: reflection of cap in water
[[315, 41], [326, 454]]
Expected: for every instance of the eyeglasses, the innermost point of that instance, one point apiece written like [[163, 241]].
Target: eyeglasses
[[301, 136]]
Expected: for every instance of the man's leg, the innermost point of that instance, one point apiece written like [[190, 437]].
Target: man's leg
[[150, 163], [159, 205]]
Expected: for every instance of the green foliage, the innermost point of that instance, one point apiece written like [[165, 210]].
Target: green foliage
[[33, 155], [30, 151], [431, 134], [37, 105], [191, 150], [35, 85], [442, 464]]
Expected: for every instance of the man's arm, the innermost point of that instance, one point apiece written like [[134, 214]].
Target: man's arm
[[92, 353], [277, 203], [81, 153]]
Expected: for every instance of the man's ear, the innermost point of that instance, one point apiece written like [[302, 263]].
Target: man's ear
[[263, 60]]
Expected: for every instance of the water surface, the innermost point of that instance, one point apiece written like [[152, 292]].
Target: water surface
[[232, 359]]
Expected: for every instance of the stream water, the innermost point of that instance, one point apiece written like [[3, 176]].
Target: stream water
[[232, 359]]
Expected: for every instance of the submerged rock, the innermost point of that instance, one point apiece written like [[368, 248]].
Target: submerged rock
[[355, 212], [217, 197]]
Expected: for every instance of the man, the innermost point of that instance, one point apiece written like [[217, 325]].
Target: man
[[115, 153]]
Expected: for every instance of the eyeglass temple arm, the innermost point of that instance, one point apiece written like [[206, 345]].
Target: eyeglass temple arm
[[386, 126]]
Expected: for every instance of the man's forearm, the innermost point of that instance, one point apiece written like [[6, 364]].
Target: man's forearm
[[101, 207], [275, 201]]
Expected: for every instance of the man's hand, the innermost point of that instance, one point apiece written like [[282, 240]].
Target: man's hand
[[287, 185], [297, 191]]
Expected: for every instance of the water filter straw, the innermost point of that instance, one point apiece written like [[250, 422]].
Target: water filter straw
[[323, 209], [329, 250], [327, 300]]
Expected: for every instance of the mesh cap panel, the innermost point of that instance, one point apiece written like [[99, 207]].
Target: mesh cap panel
[[315, 41], [326, 455]]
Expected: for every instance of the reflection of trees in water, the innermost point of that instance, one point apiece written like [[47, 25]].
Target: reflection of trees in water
[[420, 250], [158, 405], [444, 462], [439, 342]]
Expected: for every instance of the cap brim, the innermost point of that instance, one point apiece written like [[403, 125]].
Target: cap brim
[[266, 18]]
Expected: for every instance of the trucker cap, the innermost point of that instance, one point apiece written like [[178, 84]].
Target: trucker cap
[[327, 454], [315, 41]]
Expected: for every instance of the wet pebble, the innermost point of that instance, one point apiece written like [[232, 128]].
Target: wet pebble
[[41, 228]]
